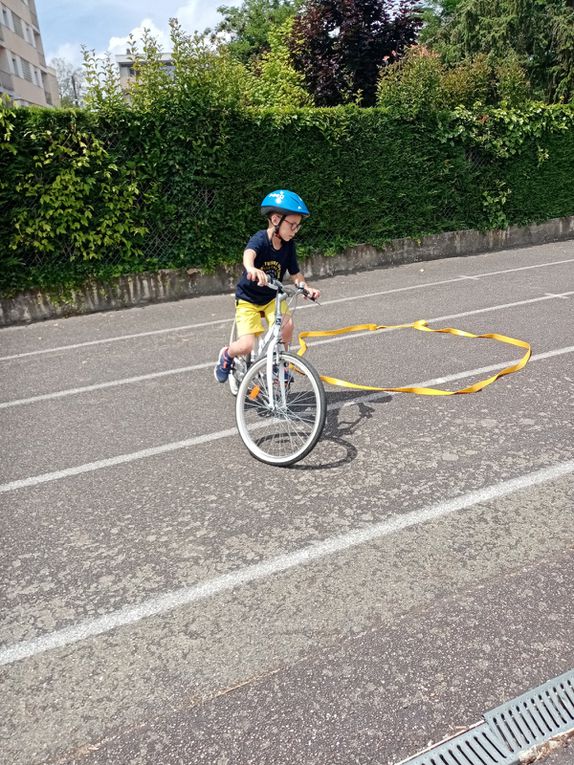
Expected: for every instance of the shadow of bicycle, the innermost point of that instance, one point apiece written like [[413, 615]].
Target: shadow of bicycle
[[346, 412]]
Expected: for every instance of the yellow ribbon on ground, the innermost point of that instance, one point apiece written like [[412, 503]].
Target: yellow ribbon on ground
[[422, 325]]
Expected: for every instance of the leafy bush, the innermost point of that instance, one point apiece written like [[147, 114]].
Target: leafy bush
[[472, 81], [413, 87], [422, 84], [513, 86], [67, 200], [100, 194]]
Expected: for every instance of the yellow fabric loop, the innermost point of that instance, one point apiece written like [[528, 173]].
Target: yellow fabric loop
[[421, 325]]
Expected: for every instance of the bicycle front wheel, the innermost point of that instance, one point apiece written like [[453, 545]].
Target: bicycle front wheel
[[281, 425]]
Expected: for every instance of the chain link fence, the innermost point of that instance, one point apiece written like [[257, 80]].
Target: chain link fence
[[75, 217], [118, 211]]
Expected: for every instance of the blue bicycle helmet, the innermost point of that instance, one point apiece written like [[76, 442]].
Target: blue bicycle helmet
[[284, 202]]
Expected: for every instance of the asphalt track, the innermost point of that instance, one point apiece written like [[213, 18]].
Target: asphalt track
[[168, 599]]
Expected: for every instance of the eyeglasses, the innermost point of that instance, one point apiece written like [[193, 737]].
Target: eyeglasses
[[293, 226]]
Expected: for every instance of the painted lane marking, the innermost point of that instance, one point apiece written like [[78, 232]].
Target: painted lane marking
[[341, 543], [474, 312], [179, 328], [102, 386], [154, 451], [460, 278], [215, 322], [208, 364]]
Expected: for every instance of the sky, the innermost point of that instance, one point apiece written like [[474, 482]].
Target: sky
[[104, 25]]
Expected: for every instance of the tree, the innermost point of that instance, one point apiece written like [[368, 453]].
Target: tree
[[273, 79], [539, 34], [71, 82], [436, 15], [251, 24], [340, 45]]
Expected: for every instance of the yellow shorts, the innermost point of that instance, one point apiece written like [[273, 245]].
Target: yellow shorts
[[248, 316]]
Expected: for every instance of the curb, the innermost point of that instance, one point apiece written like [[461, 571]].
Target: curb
[[177, 284]]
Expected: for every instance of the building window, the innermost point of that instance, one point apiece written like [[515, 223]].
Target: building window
[[17, 21], [6, 17], [16, 66], [26, 70]]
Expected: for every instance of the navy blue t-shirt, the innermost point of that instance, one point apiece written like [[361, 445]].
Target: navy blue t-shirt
[[274, 262]]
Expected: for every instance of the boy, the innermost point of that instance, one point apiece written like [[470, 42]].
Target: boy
[[269, 252]]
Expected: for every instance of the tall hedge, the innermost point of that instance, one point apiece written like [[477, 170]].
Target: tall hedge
[[92, 196]]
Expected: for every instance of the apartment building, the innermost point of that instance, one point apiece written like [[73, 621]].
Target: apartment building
[[24, 76], [126, 67]]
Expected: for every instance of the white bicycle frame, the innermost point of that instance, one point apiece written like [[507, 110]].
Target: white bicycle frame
[[271, 344]]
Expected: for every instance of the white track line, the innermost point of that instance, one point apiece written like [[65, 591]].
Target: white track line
[[208, 364], [474, 312], [460, 278], [101, 386], [186, 596], [116, 339], [180, 328], [154, 451]]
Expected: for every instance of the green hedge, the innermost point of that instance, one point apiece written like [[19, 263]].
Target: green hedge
[[94, 196]]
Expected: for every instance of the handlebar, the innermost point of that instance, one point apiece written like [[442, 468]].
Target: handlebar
[[275, 284]]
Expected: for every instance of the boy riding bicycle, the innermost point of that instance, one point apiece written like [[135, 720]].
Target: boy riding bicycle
[[269, 252]]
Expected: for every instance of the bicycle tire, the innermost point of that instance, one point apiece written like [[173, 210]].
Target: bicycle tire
[[287, 434]]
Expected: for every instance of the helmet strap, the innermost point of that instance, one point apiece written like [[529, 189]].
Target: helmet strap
[[276, 228]]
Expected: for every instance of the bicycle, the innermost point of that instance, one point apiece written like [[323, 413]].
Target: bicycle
[[280, 406]]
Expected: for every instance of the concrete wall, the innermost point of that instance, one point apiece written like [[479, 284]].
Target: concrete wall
[[141, 289]]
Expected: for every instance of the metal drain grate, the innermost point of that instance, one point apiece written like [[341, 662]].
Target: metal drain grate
[[477, 746], [536, 716], [510, 729]]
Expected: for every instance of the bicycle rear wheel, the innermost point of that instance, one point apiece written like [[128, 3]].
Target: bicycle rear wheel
[[281, 426]]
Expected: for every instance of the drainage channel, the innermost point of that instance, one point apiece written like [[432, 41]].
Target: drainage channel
[[506, 733]]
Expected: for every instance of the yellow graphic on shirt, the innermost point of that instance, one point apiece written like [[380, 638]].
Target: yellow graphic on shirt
[[272, 268]]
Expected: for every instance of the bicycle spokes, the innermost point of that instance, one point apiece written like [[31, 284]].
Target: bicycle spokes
[[280, 423]]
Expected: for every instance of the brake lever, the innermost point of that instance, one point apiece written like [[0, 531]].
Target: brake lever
[[305, 293]]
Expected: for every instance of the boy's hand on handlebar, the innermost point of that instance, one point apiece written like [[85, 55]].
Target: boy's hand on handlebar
[[309, 293], [257, 275]]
